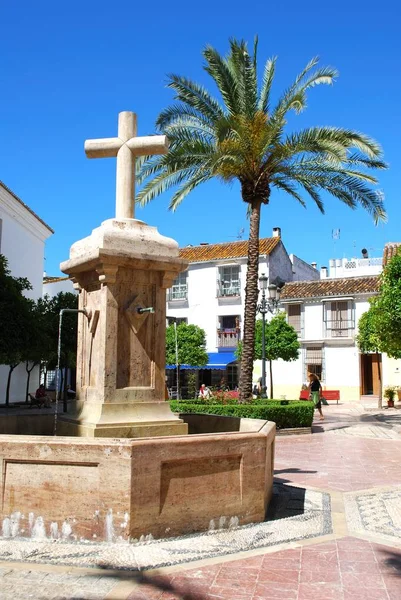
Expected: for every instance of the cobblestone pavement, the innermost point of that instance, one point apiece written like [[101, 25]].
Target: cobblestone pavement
[[352, 459]]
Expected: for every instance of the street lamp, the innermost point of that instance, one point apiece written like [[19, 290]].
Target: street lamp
[[266, 305], [174, 320]]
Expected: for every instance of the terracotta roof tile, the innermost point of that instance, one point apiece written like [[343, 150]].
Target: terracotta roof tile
[[323, 288], [26, 206], [48, 279], [206, 252], [390, 250]]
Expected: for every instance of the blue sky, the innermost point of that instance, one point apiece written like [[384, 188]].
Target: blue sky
[[68, 68]]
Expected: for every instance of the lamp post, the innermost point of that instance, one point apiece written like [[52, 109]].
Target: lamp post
[[174, 320], [266, 305]]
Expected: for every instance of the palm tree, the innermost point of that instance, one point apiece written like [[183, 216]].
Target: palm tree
[[242, 137]]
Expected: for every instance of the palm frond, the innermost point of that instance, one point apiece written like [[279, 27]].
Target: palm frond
[[219, 70], [286, 186], [241, 65], [161, 183], [187, 187], [181, 112], [195, 96], [268, 77]]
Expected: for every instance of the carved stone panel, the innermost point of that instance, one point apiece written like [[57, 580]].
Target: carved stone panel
[[136, 332]]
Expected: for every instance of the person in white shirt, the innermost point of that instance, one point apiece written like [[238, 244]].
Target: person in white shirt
[[204, 392]]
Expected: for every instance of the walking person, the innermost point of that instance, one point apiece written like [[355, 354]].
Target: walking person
[[315, 390]]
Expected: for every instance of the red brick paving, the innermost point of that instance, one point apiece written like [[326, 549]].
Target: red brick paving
[[338, 463], [345, 569]]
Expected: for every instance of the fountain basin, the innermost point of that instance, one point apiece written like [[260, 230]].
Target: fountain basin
[[117, 489]]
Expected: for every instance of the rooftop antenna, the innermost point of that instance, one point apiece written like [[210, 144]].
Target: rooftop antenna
[[335, 234], [239, 235]]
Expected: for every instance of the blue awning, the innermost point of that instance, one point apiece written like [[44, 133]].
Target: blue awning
[[217, 360]]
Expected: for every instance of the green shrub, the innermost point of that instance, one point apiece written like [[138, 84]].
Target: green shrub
[[294, 414]]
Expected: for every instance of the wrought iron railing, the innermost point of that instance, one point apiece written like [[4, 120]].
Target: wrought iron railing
[[228, 338], [178, 292], [339, 328], [228, 288]]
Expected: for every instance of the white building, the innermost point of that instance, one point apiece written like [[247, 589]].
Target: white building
[[22, 242], [354, 267], [325, 314], [211, 294]]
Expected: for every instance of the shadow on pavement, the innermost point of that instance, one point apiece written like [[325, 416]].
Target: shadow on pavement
[[287, 501], [393, 560]]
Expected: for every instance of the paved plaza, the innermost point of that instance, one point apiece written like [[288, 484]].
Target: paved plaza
[[334, 532]]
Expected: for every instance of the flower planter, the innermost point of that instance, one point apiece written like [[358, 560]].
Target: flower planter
[[390, 403]]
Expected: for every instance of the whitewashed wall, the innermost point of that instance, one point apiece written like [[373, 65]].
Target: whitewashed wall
[[23, 239], [203, 307]]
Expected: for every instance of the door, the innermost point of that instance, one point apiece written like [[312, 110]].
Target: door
[[370, 374]]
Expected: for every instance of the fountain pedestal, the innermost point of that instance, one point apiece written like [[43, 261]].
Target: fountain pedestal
[[123, 267]]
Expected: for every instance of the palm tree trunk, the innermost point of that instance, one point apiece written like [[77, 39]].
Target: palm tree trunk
[[251, 300]]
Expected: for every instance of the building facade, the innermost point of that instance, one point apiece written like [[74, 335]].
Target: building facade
[[211, 294], [22, 241], [325, 315]]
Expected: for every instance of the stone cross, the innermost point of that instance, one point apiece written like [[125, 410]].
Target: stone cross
[[126, 147]]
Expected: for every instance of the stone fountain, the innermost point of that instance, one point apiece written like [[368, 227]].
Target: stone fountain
[[123, 465]]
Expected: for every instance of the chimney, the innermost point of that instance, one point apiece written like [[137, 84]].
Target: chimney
[[277, 232], [314, 265], [204, 244], [323, 272], [365, 253]]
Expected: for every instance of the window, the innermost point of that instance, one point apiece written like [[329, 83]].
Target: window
[[228, 331], [1, 228], [229, 283], [294, 317], [338, 318], [314, 361], [229, 322], [179, 289], [171, 320]]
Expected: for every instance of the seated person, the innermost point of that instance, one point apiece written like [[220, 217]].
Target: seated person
[[41, 396], [204, 392]]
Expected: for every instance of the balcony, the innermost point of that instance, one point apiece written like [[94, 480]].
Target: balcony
[[228, 289], [339, 329], [228, 338], [178, 293]]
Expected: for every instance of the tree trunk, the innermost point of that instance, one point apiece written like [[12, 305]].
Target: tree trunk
[[379, 371], [10, 372], [251, 300], [28, 378], [271, 379]]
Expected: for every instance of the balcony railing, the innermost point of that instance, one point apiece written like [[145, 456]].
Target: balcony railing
[[228, 338], [337, 329], [179, 292], [227, 289]]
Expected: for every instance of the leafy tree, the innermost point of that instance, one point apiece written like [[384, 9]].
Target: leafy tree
[[33, 353], [387, 308], [52, 308], [15, 320], [242, 136], [368, 342], [191, 342], [281, 341]]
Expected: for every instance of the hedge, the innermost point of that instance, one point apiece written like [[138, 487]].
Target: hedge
[[293, 414]]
